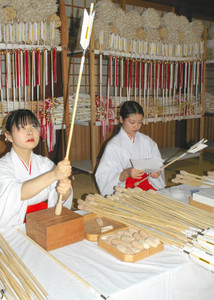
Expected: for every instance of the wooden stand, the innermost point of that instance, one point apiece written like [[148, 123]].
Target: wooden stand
[[51, 231], [201, 205]]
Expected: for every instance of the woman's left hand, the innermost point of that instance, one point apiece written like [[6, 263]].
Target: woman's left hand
[[155, 175], [64, 188]]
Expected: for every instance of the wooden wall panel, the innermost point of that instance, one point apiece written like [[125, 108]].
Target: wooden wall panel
[[80, 146], [209, 127], [192, 131]]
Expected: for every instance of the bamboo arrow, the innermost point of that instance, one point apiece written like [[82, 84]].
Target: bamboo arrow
[[84, 42], [195, 148]]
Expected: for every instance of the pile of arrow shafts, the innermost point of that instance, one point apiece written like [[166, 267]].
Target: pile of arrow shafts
[[210, 174], [18, 281], [194, 180], [159, 215]]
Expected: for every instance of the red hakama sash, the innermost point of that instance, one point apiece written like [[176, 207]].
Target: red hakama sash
[[145, 185], [36, 207]]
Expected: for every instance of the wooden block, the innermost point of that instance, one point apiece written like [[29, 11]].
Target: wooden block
[[93, 230], [201, 205], [51, 231]]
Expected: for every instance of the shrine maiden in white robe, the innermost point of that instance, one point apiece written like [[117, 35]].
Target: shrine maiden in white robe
[[12, 174], [116, 158]]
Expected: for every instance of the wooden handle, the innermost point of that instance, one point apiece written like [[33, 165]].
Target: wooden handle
[[58, 208], [138, 182]]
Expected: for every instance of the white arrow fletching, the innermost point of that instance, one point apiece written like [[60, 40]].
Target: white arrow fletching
[[203, 259], [198, 146], [86, 29]]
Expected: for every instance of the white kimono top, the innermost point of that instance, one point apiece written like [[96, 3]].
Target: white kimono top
[[12, 175], [116, 158]]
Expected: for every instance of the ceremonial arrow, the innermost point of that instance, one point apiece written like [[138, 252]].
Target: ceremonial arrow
[[195, 148], [84, 42]]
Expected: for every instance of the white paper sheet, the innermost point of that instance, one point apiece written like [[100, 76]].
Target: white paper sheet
[[148, 165]]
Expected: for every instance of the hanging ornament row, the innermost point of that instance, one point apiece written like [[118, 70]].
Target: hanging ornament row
[[27, 33], [151, 49]]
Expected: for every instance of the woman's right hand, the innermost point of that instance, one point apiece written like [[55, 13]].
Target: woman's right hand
[[131, 172], [63, 169]]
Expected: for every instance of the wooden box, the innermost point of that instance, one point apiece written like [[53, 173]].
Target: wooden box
[[127, 257], [51, 231], [93, 230], [201, 205]]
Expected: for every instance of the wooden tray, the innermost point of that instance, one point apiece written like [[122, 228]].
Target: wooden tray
[[93, 230], [128, 257]]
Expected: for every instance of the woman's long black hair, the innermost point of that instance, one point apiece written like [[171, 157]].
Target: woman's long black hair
[[20, 117], [129, 108]]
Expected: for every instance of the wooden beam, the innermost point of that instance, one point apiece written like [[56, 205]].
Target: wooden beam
[[203, 95], [145, 4], [93, 106]]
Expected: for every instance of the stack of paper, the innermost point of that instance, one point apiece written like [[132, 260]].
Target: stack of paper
[[205, 196], [147, 165]]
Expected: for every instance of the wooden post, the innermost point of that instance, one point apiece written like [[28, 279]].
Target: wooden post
[[203, 95], [65, 68], [93, 106]]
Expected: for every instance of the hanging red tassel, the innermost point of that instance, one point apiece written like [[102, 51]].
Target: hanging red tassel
[[26, 69], [1, 79], [160, 69], [37, 57], [115, 71], [141, 83]]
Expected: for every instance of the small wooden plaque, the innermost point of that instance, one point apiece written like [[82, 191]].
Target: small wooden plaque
[[93, 230], [51, 231], [201, 205]]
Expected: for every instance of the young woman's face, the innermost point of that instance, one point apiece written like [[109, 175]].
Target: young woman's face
[[132, 124], [26, 137]]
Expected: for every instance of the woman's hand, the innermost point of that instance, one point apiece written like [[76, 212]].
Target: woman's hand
[[155, 175], [135, 173], [64, 188], [63, 169], [131, 172]]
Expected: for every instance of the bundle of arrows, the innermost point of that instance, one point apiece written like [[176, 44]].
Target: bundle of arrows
[[18, 282], [195, 180], [174, 223]]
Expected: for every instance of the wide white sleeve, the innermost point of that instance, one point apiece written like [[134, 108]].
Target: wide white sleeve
[[12, 209], [109, 170], [158, 183]]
